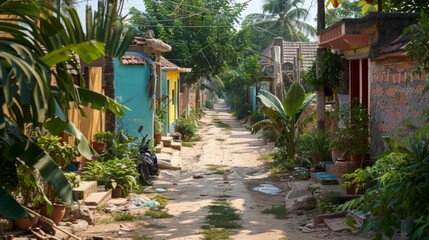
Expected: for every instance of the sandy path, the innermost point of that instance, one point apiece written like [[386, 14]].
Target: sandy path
[[239, 150]]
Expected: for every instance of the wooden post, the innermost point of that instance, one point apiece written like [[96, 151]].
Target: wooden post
[[278, 76]]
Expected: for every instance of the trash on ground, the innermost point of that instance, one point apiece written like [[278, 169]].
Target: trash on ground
[[267, 189]]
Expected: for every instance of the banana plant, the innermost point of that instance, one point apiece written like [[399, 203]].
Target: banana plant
[[38, 43], [284, 116]]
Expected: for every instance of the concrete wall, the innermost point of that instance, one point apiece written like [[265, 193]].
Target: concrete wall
[[396, 99], [131, 90]]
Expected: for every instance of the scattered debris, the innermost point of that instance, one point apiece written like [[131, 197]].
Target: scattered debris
[[301, 203], [267, 189], [160, 190]]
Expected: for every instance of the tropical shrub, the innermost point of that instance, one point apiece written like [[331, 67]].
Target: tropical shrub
[[397, 188], [187, 127], [284, 116], [113, 173], [41, 44]]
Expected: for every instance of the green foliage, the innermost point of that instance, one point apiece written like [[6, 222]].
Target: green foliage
[[237, 82], [278, 211], [201, 42], [103, 137], [405, 6], [351, 136], [120, 146], [73, 178], [280, 19], [187, 127], [348, 9], [284, 116], [208, 104], [397, 188], [61, 152], [418, 48], [329, 202], [315, 145], [113, 173], [330, 71], [162, 199], [41, 43]]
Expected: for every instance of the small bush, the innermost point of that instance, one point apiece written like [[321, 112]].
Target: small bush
[[208, 105], [186, 127]]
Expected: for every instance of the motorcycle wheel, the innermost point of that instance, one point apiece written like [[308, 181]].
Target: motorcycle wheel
[[144, 177]]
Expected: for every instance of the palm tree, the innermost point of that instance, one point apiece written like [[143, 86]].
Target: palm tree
[[282, 18], [40, 44]]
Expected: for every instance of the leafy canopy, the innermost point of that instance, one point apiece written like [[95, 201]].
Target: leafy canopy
[[200, 32]]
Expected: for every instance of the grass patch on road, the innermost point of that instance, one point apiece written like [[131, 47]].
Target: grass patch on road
[[266, 156], [217, 234], [218, 123], [162, 199], [142, 237], [158, 212], [216, 168], [187, 144], [124, 217], [278, 211], [221, 215]]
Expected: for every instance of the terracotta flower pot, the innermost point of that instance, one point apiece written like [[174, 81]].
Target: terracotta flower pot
[[157, 138], [57, 214], [117, 192], [26, 223]]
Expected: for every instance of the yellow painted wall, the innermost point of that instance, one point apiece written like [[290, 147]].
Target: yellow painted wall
[[94, 121], [172, 79]]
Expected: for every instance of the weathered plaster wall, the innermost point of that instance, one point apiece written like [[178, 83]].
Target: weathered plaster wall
[[396, 99], [131, 90]]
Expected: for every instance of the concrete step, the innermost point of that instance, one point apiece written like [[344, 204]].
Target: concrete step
[[325, 178], [98, 198], [158, 147], [167, 141], [176, 145], [85, 189]]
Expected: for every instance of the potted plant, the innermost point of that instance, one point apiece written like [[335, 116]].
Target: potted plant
[[101, 139], [358, 129], [113, 174], [63, 154], [318, 144], [158, 128]]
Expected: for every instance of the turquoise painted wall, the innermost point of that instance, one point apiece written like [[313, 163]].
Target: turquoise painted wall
[[130, 90], [164, 88]]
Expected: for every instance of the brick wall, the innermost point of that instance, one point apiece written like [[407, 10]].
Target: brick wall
[[396, 99], [192, 99]]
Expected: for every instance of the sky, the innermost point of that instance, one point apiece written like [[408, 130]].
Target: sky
[[254, 6]]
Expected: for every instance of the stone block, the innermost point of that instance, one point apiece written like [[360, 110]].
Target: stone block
[[85, 189]]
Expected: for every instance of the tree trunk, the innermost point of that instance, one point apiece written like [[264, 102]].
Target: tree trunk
[[109, 91], [320, 110]]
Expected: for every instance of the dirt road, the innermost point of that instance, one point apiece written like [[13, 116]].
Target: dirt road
[[195, 187]]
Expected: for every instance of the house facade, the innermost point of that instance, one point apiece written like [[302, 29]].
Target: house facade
[[379, 72], [133, 76], [171, 75]]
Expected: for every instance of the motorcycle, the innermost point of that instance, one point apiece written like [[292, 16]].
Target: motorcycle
[[147, 165]]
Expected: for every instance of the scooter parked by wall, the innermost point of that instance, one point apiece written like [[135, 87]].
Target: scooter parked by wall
[[147, 165]]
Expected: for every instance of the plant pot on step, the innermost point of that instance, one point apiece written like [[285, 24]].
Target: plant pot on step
[[157, 138], [57, 214], [117, 192], [99, 146]]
